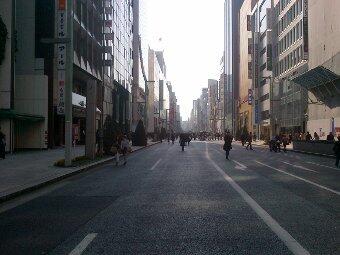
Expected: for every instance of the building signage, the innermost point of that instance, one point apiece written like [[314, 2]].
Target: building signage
[[108, 3], [305, 30], [108, 23], [269, 57], [257, 120], [248, 22], [109, 36], [61, 24], [108, 10], [250, 96], [256, 69]]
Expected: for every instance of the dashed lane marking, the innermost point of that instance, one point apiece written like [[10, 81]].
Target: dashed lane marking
[[156, 164], [239, 165], [81, 247], [292, 244], [300, 167], [300, 178]]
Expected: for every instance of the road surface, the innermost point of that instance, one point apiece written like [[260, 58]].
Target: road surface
[[165, 201]]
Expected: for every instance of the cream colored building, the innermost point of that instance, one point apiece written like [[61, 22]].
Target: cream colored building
[[245, 85], [23, 85], [156, 77], [323, 77]]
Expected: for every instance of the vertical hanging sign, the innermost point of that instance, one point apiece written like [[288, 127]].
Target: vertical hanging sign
[[305, 30], [61, 24]]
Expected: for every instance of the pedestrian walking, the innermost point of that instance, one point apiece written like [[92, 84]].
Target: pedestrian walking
[[250, 140], [125, 145], [228, 139], [182, 141], [173, 138], [285, 142], [278, 143], [336, 150], [117, 150], [2, 145]]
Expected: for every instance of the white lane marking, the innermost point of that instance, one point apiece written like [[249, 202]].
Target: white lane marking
[[300, 178], [300, 167], [156, 164], [239, 165], [323, 165], [285, 237], [80, 248]]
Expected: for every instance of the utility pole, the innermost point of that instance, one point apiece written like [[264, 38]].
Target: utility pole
[[69, 85]]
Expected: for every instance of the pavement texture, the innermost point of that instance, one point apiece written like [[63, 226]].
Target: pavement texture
[[165, 201], [24, 171]]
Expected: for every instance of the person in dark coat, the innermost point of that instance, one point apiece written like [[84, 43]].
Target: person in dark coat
[[228, 139], [330, 137], [250, 140], [308, 137], [336, 150], [2, 144]]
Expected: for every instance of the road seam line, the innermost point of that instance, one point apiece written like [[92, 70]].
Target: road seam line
[[300, 178], [300, 167], [80, 248], [156, 164], [285, 237], [309, 162]]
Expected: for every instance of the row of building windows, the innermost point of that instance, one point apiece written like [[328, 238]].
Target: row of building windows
[[289, 61], [290, 38], [291, 14]]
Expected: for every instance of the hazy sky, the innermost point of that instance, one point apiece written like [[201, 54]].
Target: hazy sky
[[192, 39]]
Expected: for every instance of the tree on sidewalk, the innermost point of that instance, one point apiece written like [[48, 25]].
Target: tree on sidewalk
[[109, 135], [139, 138]]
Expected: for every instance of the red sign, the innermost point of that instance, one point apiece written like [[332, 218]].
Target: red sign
[[62, 5]]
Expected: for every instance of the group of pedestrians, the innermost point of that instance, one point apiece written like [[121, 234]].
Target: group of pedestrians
[[276, 141], [336, 150]]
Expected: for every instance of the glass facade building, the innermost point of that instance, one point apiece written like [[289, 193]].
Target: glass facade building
[[118, 62]]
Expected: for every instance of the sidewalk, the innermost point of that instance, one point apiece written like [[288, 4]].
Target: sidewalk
[[26, 171]]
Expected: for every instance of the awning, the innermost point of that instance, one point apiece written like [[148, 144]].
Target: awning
[[320, 80], [14, 115], [80, 101]]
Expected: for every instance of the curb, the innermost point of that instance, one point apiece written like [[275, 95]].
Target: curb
[[81, 169]]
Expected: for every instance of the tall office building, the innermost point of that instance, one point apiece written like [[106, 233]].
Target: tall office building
[[118, 63], [34, 103], [291, 54], [262, 66], [245, 102], [213, 105], [231, 50], [140, 59]]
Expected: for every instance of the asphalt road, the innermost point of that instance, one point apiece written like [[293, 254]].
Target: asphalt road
[[165, 201]]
